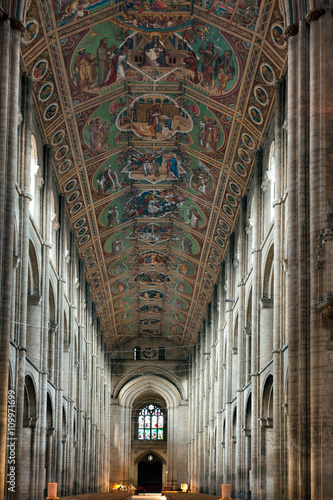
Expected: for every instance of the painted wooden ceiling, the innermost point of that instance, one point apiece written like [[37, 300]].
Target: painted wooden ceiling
[[154, 110]]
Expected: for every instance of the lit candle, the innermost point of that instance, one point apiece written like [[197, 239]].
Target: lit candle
[[226, 490], [52, 490]]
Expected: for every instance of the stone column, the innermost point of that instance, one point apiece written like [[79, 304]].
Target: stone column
[[24, 252], [45, 318], [277, 344], [60, 345], [10, 31], [219, 347], [321, 217], [255, 335], [241, 357], [298, 261]]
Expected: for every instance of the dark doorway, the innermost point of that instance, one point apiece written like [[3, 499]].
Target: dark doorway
[[150, 474]]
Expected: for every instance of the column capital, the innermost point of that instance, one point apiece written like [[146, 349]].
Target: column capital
[[290, 31], [314, 15], [15, 24], [278, 83], [258, 152]]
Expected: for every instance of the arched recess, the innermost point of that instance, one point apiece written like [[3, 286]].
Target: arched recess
[[76, 374], [52, 334], [34, 332], [30, 415], [267, 310], [233, 452], [139, 372], [159, 390], [50, 451], [66, 358], [30, 400], [295, 10], [15, 300], [267, 449], [268, 281], [151, 472], [11, 385], [33, 271], [64, 450], [248, 333], [234, 352], [247, 432], [223, 453], [15, 8], [149, 384]]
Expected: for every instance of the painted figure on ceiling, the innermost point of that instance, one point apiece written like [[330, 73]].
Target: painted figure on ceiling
[[200, 181], [107, 180], [113, 217], [154, 53], [102, 61], [30, 32], [117, 68], [192, 62], [209, 135], [224, 69], [278, 36], [193, 216], [207, 63], [117, 246], [158, 5], [146, 163], [122, 303], [75, 10], [102, 135], [40, 70], [93, 130], [172, 167], [187, 245], [159, 122], [85, 69]]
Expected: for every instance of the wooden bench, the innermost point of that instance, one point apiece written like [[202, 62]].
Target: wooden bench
[[112, 495], [190, 496]]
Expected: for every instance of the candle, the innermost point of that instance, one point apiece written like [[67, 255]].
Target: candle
[[226, 490], [52, 490]]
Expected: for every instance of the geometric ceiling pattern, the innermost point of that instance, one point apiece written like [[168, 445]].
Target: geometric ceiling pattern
[[154, 110]]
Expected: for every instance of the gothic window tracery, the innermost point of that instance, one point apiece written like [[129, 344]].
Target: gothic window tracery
[[151, 423]]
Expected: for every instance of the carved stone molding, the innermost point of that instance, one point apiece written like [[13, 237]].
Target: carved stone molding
[[35, 300], [29, 422], [266, 422], [53, 327], [247, 330], [3, 15], [290, 31], [325, 305], [16, 261], [266, 303], [17, 25], [314, 15]]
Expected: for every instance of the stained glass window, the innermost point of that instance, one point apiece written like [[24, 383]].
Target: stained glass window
[[151, 423]]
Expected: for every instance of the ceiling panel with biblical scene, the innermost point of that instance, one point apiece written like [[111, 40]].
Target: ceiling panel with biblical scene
[[154, 110]]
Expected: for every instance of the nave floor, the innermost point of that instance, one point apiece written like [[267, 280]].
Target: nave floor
[[119, 495]]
